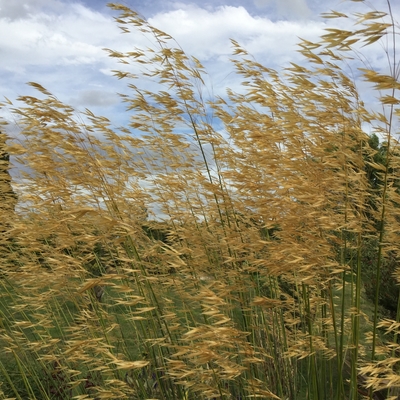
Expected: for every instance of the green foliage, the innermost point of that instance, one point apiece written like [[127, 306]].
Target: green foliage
[[7, 195], [389, 288]]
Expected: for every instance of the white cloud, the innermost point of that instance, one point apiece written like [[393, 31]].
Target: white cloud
[[60, 48], [60, 44], [50, 39], [95, 97], [206, 34], [21, 9], [287, 8], [63, 51]]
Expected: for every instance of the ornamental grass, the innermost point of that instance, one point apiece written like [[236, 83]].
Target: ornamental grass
[[214, 247]]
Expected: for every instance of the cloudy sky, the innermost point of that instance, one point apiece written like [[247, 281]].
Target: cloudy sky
[[59, 43]]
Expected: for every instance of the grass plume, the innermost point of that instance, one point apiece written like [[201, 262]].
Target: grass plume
[[168, 260]]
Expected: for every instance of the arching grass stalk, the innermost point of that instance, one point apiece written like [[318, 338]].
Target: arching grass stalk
[[235, 293], [356, 323], [313, 372], [6, 375], [389, 127]]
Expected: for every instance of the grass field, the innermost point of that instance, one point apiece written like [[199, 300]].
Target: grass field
[[278, 243]]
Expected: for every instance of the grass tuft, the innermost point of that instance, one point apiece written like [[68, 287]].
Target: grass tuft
[[252, 254]]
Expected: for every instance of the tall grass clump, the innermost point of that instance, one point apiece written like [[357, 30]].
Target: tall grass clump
[[214, 247]]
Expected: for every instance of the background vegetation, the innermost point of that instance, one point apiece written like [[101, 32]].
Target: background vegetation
[[234, 248]]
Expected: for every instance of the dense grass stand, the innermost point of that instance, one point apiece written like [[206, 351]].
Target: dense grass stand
[[229, 248]]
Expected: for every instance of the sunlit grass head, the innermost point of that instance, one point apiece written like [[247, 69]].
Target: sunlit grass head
[[211, 248]]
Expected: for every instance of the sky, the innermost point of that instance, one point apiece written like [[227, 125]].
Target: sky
[[60, 43]]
